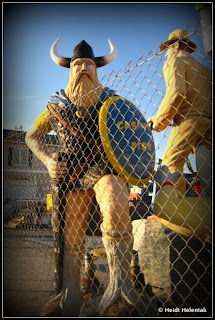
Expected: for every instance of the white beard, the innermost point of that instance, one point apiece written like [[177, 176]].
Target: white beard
[[84, 91]]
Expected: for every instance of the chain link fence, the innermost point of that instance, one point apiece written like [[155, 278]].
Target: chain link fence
[[171, 263]]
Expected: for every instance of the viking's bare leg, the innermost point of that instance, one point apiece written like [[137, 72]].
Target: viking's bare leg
[[77, 209], [112, 196]]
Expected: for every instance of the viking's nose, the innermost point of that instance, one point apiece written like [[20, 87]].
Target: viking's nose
[[84, 66]]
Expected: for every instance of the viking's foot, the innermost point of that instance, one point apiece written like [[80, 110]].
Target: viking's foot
[[91, 288], [51, 309], [122, 309], [120, 286]]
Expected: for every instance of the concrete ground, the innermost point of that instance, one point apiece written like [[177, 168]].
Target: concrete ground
[[28, 272], [176, 269], [28, 277]]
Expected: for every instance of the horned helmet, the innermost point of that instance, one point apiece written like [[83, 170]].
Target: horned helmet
[[82, 50]]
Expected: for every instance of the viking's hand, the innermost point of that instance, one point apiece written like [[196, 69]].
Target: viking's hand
[[56, 169], [60, 99]]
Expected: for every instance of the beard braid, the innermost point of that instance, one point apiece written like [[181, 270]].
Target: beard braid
[[84, 90]]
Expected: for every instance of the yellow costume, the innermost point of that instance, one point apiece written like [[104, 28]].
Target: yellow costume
[[188, 103], [189, 216]]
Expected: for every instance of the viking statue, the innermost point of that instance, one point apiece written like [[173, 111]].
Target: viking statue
[[79, 172]]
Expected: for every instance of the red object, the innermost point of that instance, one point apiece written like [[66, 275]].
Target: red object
[[165, 184], [134, 196], [197, 187], [39, 221]]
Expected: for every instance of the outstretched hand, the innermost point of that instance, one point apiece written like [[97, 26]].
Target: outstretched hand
[[150, 122]]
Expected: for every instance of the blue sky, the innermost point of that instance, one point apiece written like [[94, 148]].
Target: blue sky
[[29, 29]]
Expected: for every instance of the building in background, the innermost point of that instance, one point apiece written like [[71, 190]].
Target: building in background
[[25, 178]]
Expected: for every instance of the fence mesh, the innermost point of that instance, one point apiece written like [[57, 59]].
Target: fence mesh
[[170, 266]]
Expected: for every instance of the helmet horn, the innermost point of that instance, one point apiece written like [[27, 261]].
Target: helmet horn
[[61, 61], [102, 61]]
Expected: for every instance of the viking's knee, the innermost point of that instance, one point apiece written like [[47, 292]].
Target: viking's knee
[[112, 197]]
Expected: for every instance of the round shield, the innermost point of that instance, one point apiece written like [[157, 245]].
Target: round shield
[[127, 140]]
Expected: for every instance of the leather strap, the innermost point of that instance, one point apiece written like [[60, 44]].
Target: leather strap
[[66, 124]]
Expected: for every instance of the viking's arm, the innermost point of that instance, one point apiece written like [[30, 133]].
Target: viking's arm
[[35, 140]]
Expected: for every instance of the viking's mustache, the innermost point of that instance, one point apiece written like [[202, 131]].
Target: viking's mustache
[[81, 73]]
